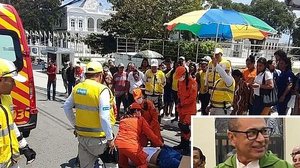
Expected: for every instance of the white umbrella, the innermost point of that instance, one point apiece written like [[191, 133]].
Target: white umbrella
[[148, 54]]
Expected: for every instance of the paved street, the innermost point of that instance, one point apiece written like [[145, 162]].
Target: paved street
[[53, 139]]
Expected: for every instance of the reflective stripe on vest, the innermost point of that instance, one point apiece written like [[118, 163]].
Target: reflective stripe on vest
[[222, 94], [85, 107], [9, 145], [5, 131], [224, 89], [86, 99], [154, 84], [213, 75], [88, 129]]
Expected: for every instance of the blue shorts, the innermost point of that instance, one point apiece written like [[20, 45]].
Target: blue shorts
[[169, 158]]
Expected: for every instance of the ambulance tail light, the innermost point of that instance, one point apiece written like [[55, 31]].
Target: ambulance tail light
[[32, 109], [31, 90]]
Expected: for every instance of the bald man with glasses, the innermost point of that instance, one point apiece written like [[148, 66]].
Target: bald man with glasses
[[250, 138]]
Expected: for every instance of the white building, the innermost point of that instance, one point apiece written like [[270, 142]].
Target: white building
[[82, 17]]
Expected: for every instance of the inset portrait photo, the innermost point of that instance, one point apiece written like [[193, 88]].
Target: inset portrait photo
[[234, 142]]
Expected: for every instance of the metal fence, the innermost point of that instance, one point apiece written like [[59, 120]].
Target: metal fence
[[240, 49]]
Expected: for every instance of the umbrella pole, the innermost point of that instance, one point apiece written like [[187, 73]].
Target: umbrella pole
[[217, 34], [197, 52], [178, 49]]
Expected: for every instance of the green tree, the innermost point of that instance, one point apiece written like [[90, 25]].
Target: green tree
[[37, 15], [296, 33], [145, 18], [275, 13], [100, 43]]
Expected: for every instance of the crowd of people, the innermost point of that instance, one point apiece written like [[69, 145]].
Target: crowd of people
[[268, 85], [139, 123], [147, 90]]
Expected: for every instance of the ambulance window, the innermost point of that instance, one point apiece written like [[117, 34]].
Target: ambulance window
[[7, 50]]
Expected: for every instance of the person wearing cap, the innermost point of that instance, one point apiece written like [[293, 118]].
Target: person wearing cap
[[155, 81], [203, 89], [221, 84], [132, 127], [94, 115], [12, 143], [149, 112], [120, 87], [187, 95]]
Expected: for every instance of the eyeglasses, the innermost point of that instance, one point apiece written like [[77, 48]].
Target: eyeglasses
[[295, 153], [252, 134]]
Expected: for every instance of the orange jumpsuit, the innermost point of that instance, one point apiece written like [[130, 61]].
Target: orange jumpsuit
[[151, 116], [128, 141], [187, 103]]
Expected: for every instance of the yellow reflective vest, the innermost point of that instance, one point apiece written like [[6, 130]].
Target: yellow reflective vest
[[86, 98], [222, 95], [9, 145], [154, 83], [213, 75]]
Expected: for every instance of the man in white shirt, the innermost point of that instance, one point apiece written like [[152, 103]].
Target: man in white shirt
[[250, 138]]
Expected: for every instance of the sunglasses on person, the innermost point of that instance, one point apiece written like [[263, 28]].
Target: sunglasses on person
[[252, 134]]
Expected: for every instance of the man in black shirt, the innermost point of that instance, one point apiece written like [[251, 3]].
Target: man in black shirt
[[70, 77]]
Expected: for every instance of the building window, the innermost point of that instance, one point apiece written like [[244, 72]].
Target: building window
[[73, 23], [80, 24], [91, 24], [99, 25]]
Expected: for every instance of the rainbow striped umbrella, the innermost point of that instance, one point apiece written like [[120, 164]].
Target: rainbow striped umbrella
[[219, 23]]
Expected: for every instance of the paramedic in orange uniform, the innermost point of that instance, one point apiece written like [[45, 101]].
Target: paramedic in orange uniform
[[187, 95], [150, 114], [132, 126]]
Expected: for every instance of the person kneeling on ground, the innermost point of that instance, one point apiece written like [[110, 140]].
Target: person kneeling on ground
[[149, 113], [131, 127]]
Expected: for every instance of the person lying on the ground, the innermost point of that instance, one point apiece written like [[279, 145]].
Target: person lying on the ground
[[164, 157]]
